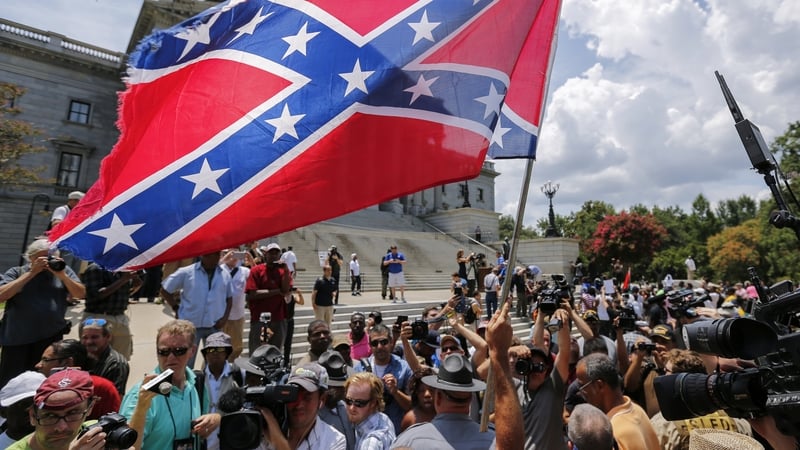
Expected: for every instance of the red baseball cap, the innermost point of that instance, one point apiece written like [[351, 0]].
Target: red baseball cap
[[67, 380]]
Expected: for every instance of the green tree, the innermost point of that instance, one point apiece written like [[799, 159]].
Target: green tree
[[733, 212], [787, 147], [582, 225], [15, 141], [506, 228], [544, 223]]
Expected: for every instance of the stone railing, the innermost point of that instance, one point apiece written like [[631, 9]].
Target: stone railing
[[57, 43]]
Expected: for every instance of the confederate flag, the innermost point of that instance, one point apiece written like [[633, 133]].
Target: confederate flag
[[258, 117]]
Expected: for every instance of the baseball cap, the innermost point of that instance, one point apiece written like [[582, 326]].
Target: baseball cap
[[75, 195], [591, 315], [449, 337], [273, 246], [20, 387], [662, 331], [67, 380], [310, 376]]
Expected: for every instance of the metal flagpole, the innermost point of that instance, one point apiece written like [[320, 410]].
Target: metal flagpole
[[488, 398]]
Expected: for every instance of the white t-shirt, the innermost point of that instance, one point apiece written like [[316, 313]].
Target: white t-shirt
[[290, 259], [355, 268], [238, 284], [60, 213]]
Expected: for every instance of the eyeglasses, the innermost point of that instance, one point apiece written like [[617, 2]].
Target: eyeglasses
[[377, 342], [98, 322], [582, 387], [177, 351], [49, 419], [357, 402], [450, 348], [210, 350], [47, 360]]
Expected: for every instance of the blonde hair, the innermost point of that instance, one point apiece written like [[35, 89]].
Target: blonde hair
[[178, 327], [375, 386]]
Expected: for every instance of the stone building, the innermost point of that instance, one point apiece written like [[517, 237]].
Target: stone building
[[71, 98]]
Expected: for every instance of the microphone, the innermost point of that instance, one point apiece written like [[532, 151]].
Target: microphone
[[164, 388], [232, 400]]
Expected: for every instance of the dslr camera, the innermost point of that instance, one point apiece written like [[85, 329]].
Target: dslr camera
[[645, 346], [118, 434], [56, 264], [551, 294], [526, 367], [419, 329]]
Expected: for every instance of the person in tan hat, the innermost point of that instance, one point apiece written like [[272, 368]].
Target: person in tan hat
[[60, 407], [646, 365], [60, 213]]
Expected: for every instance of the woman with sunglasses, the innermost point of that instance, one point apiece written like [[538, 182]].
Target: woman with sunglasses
[[364, 400]]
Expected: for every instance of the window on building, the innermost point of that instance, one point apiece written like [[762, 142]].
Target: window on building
[[443, 190], [480, 194], [79, 112], [69, 169]]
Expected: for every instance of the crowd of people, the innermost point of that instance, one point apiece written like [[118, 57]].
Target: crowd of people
[[583, 378]]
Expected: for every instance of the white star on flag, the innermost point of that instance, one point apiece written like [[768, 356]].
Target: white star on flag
[[200, 34], [297, 43], [491, 100], [423, 29], [118, 233], [423, 87], [205, 179], [285, 123], [250, 27], [356, 79], [499, 132]]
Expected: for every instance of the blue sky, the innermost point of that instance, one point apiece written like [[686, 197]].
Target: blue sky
[[634, 114]]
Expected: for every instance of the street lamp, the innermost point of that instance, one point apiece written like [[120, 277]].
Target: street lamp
[[46, 198], [465, 190], [549, 190]]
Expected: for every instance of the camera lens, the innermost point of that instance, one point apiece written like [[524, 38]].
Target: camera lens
[[731, 338], [686, 395], [121, 437]]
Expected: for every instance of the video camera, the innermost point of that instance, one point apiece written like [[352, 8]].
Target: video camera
[[771, 388], [242, 425], [627, 319], [550, 295], [683, 302]]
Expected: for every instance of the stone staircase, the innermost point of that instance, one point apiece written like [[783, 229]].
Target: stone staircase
[[388, 310]]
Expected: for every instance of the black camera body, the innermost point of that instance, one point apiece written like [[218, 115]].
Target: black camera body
[[554, 326], [646, 346], [627, 319], [551, 294], [118, 434], [526, 366], [56, 264], [683, 302], [419, 329]]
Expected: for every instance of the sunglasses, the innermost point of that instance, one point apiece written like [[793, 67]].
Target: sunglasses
[[358, 403], [214, 350], [98, 322], [378, 342], [450, 349], [177, 351]]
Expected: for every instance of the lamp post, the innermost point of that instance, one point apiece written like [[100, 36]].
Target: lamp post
[[549, 190], [46, 198], [465, 188]]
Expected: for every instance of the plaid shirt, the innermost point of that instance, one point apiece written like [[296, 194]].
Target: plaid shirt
[[96, 278]]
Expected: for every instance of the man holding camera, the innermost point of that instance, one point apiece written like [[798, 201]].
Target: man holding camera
[[542, 387], [35, 297], [60, 407], [306, 430], [648, 362], [267, 289]]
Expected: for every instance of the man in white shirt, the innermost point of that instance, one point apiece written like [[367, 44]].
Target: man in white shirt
[[291, 260], [355, 275], [234, 327]]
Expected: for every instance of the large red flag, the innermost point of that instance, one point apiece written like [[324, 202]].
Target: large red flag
[[258, 117]]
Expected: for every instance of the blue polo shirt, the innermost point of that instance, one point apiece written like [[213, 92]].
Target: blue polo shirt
[[395, 267]]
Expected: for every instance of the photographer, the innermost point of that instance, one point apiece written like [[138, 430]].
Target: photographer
[[647, 363], [35, 297], [267, 289], [541, 384], [59, 411]]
